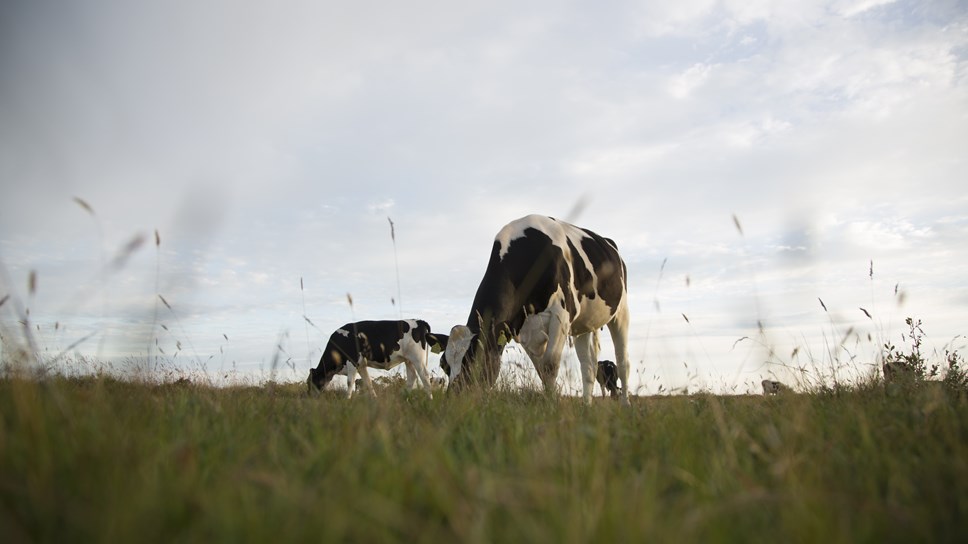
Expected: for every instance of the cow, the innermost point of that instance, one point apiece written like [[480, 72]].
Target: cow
[[546, 280], [354, 347], [772, 387], [607, 377]]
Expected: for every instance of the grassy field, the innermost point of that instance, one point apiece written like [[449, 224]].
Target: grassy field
[[98, 459]]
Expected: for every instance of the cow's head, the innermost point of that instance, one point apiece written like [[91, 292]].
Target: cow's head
[[330, 364], [534, 335], [472, 358]]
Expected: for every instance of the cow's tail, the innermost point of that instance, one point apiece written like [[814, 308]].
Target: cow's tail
[[421, 333]]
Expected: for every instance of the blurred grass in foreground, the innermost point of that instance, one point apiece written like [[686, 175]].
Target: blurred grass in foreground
[[98, 459]]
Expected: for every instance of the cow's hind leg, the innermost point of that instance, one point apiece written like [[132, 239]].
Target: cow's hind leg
[[411, 375], [587, 347], [618, 327], [415, 358], [421, 372]]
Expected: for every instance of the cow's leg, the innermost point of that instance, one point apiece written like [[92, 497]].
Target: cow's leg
[[587, 347], [350, 379], [367, 382], [420, 365], [411, 375], [618, 327], [421, 372], [415, 358]]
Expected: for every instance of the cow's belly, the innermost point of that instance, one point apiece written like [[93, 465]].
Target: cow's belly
[[593, 314], [384, 365]]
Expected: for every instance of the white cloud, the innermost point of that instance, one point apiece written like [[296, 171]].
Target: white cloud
[[685, 83], [850, 8]]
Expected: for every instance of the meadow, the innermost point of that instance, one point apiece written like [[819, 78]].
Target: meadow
[[97, 458]]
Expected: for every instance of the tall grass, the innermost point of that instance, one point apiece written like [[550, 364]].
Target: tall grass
[[99, 459]]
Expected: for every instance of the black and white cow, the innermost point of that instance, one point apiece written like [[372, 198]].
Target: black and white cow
[[354, 347], [607, 377], [546, 280]]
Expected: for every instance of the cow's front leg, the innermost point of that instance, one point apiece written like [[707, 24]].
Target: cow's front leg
[[587, 347], [350, 379], [367, 383]]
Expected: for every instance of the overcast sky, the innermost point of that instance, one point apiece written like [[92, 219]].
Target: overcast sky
[[269, 143]]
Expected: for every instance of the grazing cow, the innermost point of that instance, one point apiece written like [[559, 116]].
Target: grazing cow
[[546, 280], [354, 347], [772, 387], [607, 377]]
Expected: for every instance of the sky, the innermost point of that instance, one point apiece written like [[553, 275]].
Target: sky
[[772, 172]]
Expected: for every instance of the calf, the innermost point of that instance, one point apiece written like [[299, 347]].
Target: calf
[[607, 377], [354, 347], [772, 387]]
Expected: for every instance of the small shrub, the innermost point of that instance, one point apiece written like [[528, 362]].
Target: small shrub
[[956, 375], [900, 366]]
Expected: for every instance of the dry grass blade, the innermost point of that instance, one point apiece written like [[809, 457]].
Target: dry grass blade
[[83, 204], [4, 300], [739, 227], [72, 346], [32, 282], [738, 341], [868, 314], [822, 305], [349, 298], [578, 208], [165, 302], [157, 238], [127, 250], [686, 318]]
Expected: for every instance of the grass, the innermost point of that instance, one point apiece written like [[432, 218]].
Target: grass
[[101, 459]]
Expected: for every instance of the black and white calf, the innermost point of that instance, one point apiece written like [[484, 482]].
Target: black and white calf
[[773, 387], [546, 280], [607, 377], [354, 347]]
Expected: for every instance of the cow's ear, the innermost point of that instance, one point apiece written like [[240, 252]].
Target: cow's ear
[[437, 343]]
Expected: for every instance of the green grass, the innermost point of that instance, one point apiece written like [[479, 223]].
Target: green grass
[[98, 459]]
